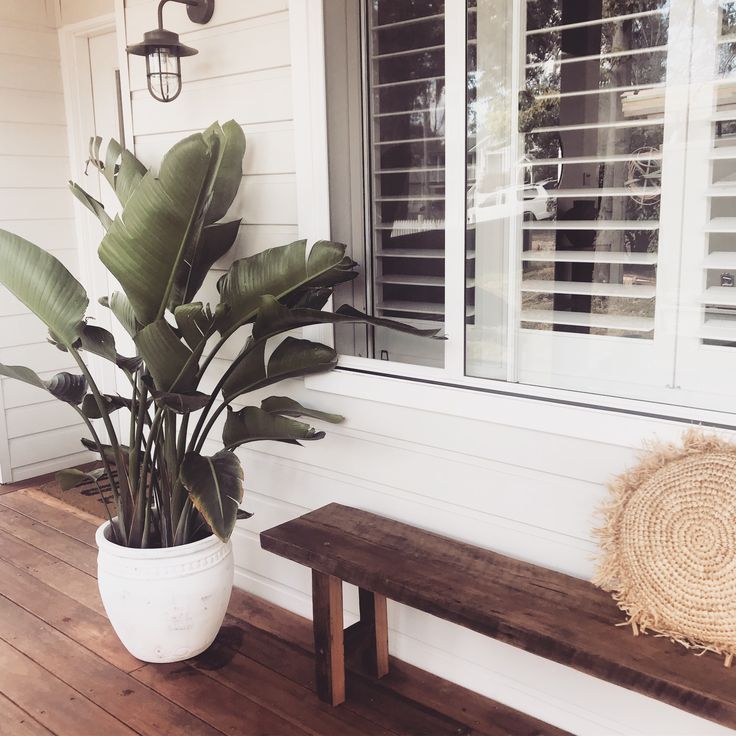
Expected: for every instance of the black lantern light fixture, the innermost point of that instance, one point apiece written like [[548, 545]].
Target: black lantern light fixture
[[163, 50]]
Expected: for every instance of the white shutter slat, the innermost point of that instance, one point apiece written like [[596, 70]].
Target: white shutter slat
[[589, 289], [584, 319]]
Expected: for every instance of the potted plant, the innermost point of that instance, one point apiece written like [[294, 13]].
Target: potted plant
[[165, 561]]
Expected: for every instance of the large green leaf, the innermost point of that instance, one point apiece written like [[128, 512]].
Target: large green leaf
[[93, 205], [181, 403], [91, 410], [253, 424], [279, 272], [119, 305], [166, 357], [274, 318], [44, 285], [229, 173], [121, 168], [99, 341], [289, 408], [292, 358], [63, 386], [215, 485], [214, 242], [145, 245]]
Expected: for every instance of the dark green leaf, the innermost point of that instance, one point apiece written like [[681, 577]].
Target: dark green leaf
[[146, 244], [93, 205], [243, 514], [253, 424], [274, 318], [107, 449], [229, 173], [290, 359], [290, 408], [99, 341], [121, 168], [63, 386], [44, 285], [112, 403], [119, 305], [215, 485], [165, 356], [181, 403], [278, 272], [196, 321]]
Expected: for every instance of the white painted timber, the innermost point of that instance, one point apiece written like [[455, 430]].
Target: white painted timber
[[37, 434]]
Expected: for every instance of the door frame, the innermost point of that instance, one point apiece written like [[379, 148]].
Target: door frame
[[79, 106]]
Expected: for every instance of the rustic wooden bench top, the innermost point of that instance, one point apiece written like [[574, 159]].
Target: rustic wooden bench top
[[550, 614]]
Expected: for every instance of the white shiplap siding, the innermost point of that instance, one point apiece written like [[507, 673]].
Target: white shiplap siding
[[38, 435], [518, 476]]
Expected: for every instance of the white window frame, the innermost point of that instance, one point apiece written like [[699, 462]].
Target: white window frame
[[357, 376]]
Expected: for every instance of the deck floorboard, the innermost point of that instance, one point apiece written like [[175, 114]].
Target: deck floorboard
[[63, 671]]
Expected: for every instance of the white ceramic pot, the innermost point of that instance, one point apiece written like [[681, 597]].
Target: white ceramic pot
[[168, 604]]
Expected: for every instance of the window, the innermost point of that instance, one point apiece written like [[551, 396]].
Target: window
[[553, 182]]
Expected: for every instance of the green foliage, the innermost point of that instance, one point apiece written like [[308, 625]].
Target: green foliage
[[160, 248]]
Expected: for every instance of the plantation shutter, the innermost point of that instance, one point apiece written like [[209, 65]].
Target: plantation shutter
[[405, 111]]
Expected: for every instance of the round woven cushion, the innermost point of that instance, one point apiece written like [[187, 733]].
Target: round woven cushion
[[670, 544]]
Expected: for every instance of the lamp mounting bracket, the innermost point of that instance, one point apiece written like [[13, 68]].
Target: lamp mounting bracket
[[199, 11]]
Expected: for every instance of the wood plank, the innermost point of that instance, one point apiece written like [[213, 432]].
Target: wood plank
[[53, 572], [18, 722], [114, 691], [283, 641], [217, 705], [50, 700], [555, 616], [294, 701], [53, 513], [78, 622], [369, 699], [329, 644], [56, 543]]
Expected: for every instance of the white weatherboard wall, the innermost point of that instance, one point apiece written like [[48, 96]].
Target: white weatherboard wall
[[519, 476], [37, 433]]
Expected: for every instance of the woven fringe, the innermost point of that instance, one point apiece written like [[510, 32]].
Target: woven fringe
[[611, 575]]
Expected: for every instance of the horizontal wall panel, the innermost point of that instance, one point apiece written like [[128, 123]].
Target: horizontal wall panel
[[22, 106], [33, 139], [21, 329], [32, 210], [40, 356], [27, 73], [266, 200], [140, 15], [257, 97], [36, 419], [49, 234], [43, 467], [41, 173], [247, 46], [30, 12], [269, 148], [57, 443], [36, 43]]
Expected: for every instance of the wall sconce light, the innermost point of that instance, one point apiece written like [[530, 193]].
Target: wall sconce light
[[163, 50]]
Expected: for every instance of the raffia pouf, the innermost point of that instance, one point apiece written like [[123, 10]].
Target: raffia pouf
[[669, 543]]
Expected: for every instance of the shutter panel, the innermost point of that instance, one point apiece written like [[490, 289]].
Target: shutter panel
[[591, 119], [406, 167]]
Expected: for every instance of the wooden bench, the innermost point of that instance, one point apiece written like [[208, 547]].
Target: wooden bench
[[555, 616]]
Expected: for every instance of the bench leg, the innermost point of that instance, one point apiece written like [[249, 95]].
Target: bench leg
[[329, 647], [374, 616]]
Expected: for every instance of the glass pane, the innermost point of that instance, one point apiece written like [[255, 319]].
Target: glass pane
[[566, 113], [406, 160]]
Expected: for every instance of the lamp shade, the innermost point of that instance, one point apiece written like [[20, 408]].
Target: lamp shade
[[163, 52]]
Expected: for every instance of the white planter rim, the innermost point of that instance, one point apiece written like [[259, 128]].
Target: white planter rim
[[153, 553]]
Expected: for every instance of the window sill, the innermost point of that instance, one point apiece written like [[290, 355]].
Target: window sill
[[562, 412]]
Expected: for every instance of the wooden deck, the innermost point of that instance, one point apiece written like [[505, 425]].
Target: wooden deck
[[63, 671]]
